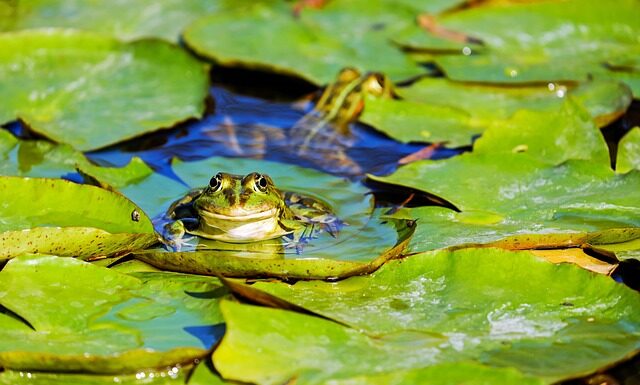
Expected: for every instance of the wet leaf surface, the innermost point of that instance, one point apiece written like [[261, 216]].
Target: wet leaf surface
[[121, 323], [131, 88], [52, 216], [517, 202], [122, 19], [273, 38], [491, 306], [567, 40]]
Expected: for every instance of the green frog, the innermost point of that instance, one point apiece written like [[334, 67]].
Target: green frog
[[243, 209]]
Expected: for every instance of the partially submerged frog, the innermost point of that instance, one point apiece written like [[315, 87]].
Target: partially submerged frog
[[242, 209]]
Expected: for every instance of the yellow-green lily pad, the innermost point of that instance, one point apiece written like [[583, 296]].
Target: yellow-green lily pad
[[276, 39], [91, 91], [493, 307], [541, 206], [59, 217], [103, 321]]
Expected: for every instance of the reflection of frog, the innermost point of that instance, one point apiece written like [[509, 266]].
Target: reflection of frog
[[241, 209]]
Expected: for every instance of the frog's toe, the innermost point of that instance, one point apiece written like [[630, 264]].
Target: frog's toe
[[177, 244]]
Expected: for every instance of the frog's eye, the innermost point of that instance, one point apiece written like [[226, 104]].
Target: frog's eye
[[215, 183], [261, 183]]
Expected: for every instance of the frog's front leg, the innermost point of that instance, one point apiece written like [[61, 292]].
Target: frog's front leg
[[173, 234]]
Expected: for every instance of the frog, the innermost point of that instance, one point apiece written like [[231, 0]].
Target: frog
[[246, 208]]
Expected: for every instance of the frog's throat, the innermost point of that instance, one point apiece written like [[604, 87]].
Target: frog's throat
[[211, 217], [253, 227]]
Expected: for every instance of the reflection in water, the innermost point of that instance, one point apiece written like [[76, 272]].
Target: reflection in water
[[248, 127]]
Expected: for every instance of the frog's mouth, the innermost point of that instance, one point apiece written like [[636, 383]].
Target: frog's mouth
[[241, 217]]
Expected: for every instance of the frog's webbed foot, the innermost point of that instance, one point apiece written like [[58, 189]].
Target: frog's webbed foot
[[300, 238], [173, 236]]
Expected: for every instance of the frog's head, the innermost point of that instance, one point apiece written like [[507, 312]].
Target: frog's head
[[377, 84], [243, 208]]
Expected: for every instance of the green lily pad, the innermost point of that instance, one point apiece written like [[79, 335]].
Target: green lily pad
[[275, 39], [96, 82], [552, 136], [568, 40], [491, 306], [54, 216], [43, 159], [123, 19], [323, 257], [515, 201], [629, 152], [439, 110], [119, 324]]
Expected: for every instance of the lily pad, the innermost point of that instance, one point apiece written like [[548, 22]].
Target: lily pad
[[552, 41], [515, 201], [322, 257], [120, 324], [275, 39], [43, 159], [59, 217], [149, 377], [440, 110], [121, 18], [96, 82], [495, 307], [629, 152], [552, 136]]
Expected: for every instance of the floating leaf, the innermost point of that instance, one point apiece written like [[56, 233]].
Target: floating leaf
[[273, 38], [515, 201], [629, 152], [495, 307], [41, 158], [567, 40], [123, 19], [96, 82], [551, 136], [438, 110], [119, 324], [59, 217]]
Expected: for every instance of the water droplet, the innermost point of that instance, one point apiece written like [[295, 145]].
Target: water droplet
[[551, 86], [466, 51], [512, 72]]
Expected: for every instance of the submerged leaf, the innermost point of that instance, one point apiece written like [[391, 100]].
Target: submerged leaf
[[100, 91]]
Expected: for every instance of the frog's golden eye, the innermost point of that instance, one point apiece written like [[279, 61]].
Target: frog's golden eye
[[261, 182], [216, 183]]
